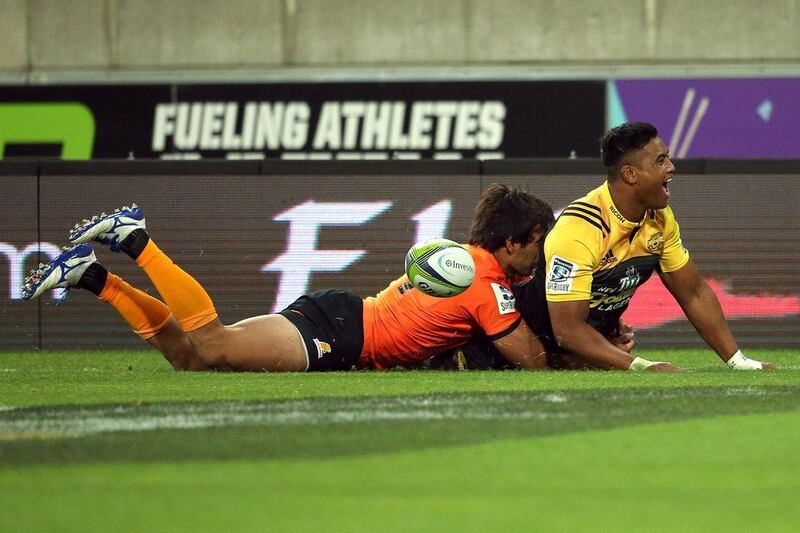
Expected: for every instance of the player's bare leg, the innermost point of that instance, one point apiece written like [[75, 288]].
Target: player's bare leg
[[268, 342], [175, 346], [77, 267]]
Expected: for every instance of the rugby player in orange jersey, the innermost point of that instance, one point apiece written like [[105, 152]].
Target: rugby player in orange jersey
[[326, 330]]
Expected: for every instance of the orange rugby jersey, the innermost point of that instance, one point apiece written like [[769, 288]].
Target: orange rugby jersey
[[403, 325]]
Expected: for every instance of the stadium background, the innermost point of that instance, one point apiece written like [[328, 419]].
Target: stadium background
[[718, 82]]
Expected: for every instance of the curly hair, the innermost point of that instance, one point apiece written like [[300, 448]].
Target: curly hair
[[504, 212]]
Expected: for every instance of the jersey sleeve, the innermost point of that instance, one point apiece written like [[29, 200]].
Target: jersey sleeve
[[494, 308], [674, 255], [572, 250]]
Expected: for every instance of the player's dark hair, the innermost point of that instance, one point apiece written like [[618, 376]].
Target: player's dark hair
[[622, 140], [504, 212]]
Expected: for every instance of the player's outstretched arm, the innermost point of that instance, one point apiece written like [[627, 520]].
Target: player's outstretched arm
[[522, 348], [703, 310], [574, 334]]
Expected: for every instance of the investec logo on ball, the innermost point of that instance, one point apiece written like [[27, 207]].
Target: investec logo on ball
[[455, 265]]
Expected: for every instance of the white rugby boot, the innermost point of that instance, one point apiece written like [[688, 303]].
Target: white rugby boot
[[63, 272], [110, 229]]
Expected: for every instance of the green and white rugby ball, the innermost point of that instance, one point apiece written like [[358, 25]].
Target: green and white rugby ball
[[440, 267]]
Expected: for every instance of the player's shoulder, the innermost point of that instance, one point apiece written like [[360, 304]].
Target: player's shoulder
[[586, 218], [490, 289], [487, 268], [484, 260]]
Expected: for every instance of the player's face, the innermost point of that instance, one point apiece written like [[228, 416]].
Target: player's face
[[525, 256], [654, 170]]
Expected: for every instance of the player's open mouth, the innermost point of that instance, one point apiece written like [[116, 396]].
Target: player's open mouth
[[665, 186]]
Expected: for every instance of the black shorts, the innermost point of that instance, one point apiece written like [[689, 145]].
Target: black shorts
[[331, 325]]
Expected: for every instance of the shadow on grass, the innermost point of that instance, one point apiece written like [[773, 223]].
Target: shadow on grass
[[335, 427]]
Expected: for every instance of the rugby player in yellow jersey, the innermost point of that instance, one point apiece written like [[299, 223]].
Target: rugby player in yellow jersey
[[601, 249]]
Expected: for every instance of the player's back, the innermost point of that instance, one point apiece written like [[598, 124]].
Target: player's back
[[403, 326]]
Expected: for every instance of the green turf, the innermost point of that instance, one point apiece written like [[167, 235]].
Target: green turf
[[710, 449]]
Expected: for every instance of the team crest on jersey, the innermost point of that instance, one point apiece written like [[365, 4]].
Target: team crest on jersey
[[322, 348], [560, 275], [630, 279], [506, 303], [655, 243]]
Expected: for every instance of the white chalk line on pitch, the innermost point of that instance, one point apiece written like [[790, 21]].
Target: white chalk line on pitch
[[77, 421], [65, 422]]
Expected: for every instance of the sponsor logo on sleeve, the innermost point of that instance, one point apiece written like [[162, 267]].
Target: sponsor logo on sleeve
[[560, 275], [505, 299]]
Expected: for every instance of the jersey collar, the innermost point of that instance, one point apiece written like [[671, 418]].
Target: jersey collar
[[616, 216], [486, 257]]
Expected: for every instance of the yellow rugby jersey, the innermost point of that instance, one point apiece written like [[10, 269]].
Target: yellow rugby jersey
[[594, 253]]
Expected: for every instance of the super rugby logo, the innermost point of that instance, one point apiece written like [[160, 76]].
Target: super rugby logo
[[560, 275], [506, 303]]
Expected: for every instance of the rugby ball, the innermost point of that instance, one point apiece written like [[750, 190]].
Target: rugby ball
[[440, 267]]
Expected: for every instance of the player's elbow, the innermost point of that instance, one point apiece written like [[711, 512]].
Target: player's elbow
[[565, 335]]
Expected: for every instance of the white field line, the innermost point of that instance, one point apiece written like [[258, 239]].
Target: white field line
[[63, 422], [22, 424]]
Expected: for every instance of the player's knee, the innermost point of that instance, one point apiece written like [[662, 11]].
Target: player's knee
[[213, 357], [211, 345]]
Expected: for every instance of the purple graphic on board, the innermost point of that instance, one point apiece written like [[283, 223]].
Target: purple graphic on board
[[737, 118]]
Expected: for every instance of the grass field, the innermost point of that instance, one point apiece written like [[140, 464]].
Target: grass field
[[120, 442]]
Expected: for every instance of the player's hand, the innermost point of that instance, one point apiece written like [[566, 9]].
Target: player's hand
[[623, 337], [663, 367], [739, 361]]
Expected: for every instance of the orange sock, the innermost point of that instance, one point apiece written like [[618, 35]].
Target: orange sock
[[145, 314], [185, 297]]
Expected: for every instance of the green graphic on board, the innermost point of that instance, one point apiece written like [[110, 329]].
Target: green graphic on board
[[70, 124]]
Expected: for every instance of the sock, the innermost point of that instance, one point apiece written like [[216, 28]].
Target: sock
[[93, 279], [185, 297], [145, 314], [134, 243]]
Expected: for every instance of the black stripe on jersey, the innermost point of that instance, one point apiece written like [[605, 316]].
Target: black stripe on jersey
[[587, 219], [596, 216], [509, 329], [584, 204], [633, 233]]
